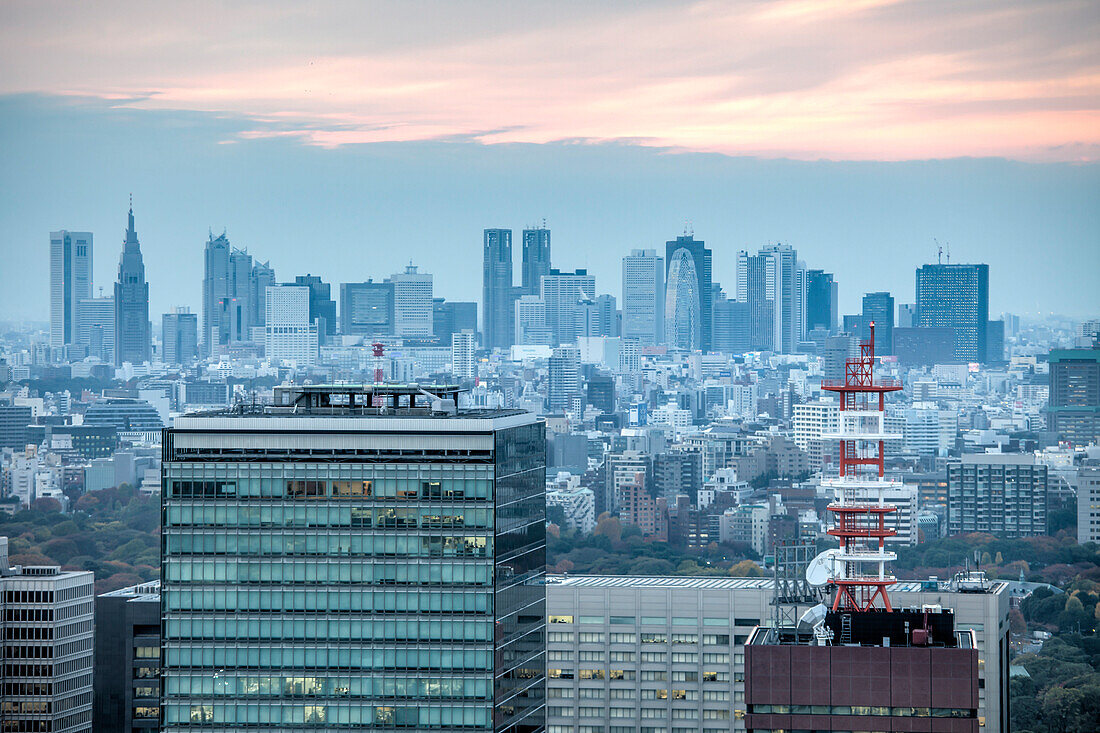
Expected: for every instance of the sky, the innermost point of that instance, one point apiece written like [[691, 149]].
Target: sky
[[346, 138]]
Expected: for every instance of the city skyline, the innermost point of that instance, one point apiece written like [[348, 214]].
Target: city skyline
[[601, 201]]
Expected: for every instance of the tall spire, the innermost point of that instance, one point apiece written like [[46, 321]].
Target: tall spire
[[131, 235]]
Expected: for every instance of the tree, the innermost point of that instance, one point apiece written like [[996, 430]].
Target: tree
[[746, 569], [1016, 622], [609, 527]]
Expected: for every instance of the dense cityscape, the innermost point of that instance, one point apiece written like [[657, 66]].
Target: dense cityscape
[[561, 510], [774, 406]]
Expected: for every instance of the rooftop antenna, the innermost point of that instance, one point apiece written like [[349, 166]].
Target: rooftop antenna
[[939, 251], [949, 253], [689, 231]]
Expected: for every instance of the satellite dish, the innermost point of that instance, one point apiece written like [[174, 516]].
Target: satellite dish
[[814, 616], [823, 568]]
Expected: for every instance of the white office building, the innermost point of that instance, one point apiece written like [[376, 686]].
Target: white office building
[[412, 303], [288, 334]]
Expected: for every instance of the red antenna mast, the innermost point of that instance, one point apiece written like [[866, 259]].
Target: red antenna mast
[[859, 509], [379, 371]]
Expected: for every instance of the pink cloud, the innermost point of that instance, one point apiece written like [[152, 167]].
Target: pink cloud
[[854, 79]]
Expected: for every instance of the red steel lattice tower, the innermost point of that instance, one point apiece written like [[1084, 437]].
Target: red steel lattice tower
[[859, 509], [379, 371]]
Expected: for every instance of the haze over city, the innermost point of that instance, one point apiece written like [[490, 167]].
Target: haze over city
[[857, 132], [640, 366]]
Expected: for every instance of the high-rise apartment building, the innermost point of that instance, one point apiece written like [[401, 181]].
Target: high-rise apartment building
[[463, 348], [536, 259], [133, 339], [70, 282], [774, 280], [821, 300], [1088, 503], [498, 294], [288, 333], [644, 297], [956, 296], [367, 309], [95, 327], [397, 583], [564, 384], [127, 659], [46, 620], [322, 308], [563, 292], [1073, 411], [878, 308], [412, 303], [688, 298], [179, 335], [1001, 494]]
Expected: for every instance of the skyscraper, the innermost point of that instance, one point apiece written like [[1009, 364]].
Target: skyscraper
[[399, 584], [288, 333], [563, 292], [260, 279], [412, 302], [753, 290], [233, 294], [878, 308], [821, 300], [956, 296], [133, 342], [775, 276], [179, 334], [322, 307], [452, 316], [70, 282], [531, 328], [497, 314], [536, 259], [367, 309], [95, 327], [644, 297], [732, 327], [688, 302]]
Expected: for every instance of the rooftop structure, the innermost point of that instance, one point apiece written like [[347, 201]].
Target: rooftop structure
[[859, 569]]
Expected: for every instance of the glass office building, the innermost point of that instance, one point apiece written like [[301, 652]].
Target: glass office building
[[360, 557]]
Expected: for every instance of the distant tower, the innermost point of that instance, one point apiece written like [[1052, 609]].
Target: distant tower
[[132, 341], [859, 509]]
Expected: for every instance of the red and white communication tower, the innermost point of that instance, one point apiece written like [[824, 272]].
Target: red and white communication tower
[[379, 364], [860, 571]]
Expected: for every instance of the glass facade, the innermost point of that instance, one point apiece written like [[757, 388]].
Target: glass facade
[[390, 589]]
